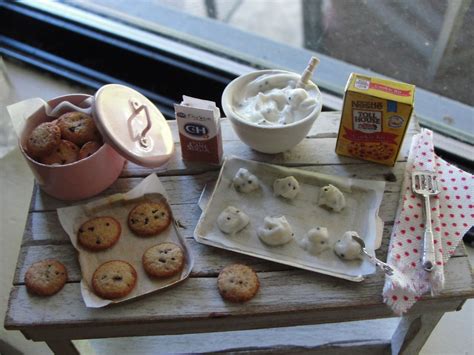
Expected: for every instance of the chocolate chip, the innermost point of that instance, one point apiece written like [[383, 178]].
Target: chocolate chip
[[162, 260], [107, 224], [81, 230], [72, 129], [97, 241], [91, 229], [154, 211], [390, 177], [118, 278], [250, 181], [146, 220]]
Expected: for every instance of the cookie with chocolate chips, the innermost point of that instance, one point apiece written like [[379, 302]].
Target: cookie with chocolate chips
[[43, 139], [114, 279], [78, 128], [99, 233], [149, 218], [65, 153], [238, 283], [46, 277], [88, 149], [163, 260]]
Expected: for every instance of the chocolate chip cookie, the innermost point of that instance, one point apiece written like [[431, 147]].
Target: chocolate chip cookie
[[238, 283], [65, 153], [43, 139], [163, 260], [99, 233], [149, 218], [78, 128], [88, 149], [46, 277], [114, 279]]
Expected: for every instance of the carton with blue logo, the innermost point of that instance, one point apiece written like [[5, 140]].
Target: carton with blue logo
[[375, 116], [199, 130]]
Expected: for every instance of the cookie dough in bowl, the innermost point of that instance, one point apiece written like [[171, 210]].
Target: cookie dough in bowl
[[268, 112]]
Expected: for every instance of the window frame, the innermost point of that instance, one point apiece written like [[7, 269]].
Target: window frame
[[221, 52]]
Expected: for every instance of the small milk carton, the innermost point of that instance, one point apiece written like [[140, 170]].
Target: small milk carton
[[199, 130], [375, 117]]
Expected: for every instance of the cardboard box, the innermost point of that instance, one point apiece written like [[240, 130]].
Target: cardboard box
[[199, 130], [375, 116]]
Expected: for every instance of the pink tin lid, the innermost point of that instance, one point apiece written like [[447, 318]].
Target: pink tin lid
[[133, 125]]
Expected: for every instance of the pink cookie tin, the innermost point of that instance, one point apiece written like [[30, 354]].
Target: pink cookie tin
[[132, 129]]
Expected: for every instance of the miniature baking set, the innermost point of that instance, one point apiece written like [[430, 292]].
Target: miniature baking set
[[76, 146], [256, 222]]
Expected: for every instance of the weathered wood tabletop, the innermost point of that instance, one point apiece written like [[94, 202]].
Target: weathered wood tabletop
[[287, 296]]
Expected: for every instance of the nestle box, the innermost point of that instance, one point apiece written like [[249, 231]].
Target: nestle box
[[375, 116]]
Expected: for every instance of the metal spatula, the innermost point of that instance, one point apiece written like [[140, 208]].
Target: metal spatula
[[424, 183]]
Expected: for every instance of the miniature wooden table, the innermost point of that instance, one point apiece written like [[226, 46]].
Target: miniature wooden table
[[287, 296]]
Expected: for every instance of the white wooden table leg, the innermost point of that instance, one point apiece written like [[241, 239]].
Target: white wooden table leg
[[62, 347], [413, 331]]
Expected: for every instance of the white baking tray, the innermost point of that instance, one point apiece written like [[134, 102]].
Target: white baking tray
[[363, 198]]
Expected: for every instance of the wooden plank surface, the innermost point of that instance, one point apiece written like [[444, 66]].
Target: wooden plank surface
[[310, 293], [187, 188], [288, 296]]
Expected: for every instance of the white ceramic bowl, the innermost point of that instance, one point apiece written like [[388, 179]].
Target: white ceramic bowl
[[265, 139]]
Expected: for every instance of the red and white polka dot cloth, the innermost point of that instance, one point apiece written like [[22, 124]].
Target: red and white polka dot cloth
[[452, 213]]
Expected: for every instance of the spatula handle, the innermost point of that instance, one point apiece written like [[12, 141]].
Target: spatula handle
[[428, 258]]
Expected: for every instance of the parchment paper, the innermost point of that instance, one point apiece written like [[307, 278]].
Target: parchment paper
[[129, 248], [363, 198]]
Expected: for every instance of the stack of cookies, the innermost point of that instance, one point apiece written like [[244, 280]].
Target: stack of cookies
[[71, 137]]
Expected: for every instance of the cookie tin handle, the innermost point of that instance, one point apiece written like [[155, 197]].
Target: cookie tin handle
[[65, 106], [137, 108]]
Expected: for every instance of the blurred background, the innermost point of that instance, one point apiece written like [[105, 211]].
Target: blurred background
[[424, 42]]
